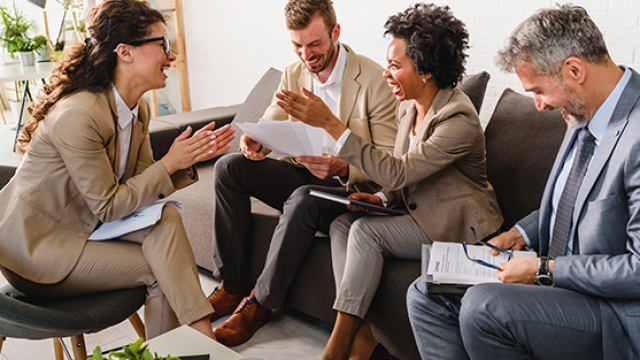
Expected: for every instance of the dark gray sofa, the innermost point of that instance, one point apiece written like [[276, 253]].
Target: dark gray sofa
[[521, 146]]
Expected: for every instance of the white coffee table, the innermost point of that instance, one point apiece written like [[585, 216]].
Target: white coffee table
[[187, 341]]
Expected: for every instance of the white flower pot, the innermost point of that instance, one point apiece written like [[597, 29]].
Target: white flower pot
[[27, 58]]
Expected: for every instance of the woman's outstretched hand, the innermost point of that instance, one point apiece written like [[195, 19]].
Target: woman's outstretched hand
[[205, 144]]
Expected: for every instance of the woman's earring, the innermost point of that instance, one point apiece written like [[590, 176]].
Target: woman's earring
[[424, 81]]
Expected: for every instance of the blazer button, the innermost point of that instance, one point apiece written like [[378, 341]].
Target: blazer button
[[412, 206], [161, 196]]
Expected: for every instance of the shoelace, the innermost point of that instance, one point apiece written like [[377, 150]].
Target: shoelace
[[243, 307], [213, 292]]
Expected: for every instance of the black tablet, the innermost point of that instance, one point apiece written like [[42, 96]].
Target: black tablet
[[359, 204]]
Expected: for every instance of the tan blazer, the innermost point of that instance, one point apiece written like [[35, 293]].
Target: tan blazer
[[366, 104], [442, 179], [67, 184]]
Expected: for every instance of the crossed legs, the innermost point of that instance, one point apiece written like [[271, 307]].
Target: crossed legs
[[359, 245]]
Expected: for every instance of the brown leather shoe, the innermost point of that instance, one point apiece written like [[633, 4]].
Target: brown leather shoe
[[244, 322], [223, 302]]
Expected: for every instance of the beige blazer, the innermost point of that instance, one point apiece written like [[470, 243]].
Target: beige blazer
[[442, 178], [366, 104], [67, 184]]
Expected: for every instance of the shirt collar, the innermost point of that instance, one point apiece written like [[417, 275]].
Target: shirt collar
[[338, 70], [125, 115], [600, 120]]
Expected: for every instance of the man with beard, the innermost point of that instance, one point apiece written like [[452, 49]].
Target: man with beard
[[587, 230], [354, 89]]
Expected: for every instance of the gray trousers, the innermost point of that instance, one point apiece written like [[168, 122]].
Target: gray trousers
[[359, 245], [506, 321], [283, 187]]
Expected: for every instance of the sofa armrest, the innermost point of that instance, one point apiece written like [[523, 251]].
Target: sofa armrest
[[6, 173], [163, 130]]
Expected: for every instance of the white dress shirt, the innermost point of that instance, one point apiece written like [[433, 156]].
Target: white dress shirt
[[329, 92], [126, 118]]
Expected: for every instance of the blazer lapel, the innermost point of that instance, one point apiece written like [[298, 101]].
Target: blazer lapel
[[402, 138], [442, 98], [115, 160], [136, 141], [349, 86], [616, 126]]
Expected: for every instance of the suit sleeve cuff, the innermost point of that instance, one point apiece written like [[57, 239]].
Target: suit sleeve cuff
[[341, 140], [525, 236]]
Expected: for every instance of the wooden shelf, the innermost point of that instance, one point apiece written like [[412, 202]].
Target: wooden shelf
[[179, 63]]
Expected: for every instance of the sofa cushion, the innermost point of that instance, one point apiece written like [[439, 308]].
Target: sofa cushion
[[475, 86], [522, 143]]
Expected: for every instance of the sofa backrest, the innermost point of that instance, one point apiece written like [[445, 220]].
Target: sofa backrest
[[475, 86], [521, 147], [256, 103]]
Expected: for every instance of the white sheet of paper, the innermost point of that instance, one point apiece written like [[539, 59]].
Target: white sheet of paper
[[449, 265], [286, 137], [140, 219]]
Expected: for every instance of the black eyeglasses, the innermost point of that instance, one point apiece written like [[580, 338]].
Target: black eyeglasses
[[509, 254], [166, 44]]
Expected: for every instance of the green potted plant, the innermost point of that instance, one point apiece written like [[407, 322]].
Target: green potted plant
[[24, 46], [42, 48], [135, 351]]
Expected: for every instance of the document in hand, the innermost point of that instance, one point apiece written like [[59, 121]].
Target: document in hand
[[140, 219], [286, 137], [447, 263]]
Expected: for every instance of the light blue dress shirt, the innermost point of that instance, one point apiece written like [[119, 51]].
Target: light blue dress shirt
[[597, 127]]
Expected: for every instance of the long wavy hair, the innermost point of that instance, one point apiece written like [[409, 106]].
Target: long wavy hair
[[91, 66]]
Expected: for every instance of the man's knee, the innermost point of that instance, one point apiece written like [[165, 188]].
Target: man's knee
[[226, 166], [482, 307], [416, 296], [301, 202]]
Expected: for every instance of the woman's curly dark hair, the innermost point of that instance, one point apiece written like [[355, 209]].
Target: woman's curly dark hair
[[91, 65], [435, 40]]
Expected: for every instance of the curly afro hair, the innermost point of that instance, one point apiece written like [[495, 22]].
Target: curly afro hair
[[435, 40]]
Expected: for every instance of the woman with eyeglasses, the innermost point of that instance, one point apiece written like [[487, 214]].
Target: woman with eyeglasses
[[87, 160], [437, 173]]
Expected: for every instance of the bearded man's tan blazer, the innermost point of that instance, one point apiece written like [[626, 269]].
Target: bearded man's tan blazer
[[366, 104]]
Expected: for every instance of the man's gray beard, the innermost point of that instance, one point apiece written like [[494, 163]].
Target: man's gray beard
[[574, 122]]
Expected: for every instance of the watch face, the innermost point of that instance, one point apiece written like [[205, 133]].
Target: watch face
[[544, 280]]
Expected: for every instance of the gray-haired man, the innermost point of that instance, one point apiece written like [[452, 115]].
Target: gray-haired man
[[587, 230]]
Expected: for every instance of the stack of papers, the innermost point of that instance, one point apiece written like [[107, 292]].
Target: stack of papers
[[447, 263], [140, 219], [286, 137]]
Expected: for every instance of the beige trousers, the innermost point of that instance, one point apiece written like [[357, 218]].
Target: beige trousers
[[158, 257], [359, 245]]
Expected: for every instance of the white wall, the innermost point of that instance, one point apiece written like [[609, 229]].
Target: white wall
[[230, 44]]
